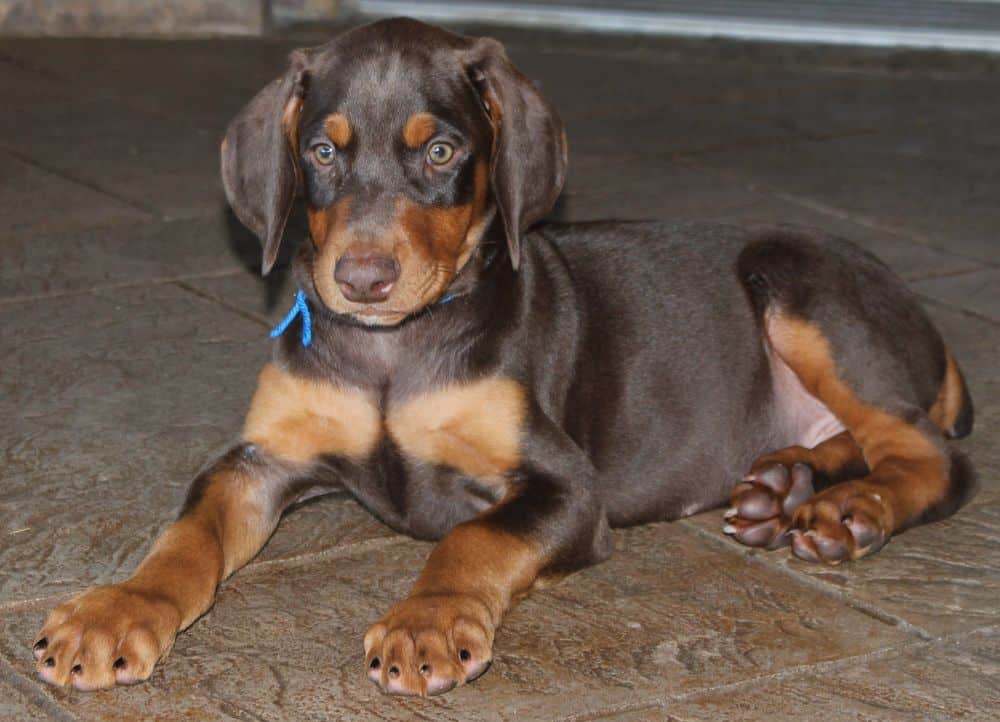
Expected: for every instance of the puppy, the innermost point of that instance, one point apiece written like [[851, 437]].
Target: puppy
[[515, 393]]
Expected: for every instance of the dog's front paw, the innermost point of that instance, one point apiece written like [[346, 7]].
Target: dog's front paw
[[429, 644], [105, 636]]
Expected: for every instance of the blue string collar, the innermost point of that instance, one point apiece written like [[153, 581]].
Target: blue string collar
[[301, 308]]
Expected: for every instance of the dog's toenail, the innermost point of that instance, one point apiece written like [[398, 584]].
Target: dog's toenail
[[375, 663], [41, 644], [77, 669], [50, 662], [425, 669], [394, 671], [120, 663], [464, 655]]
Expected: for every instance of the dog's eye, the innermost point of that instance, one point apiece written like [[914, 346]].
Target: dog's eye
[[440, 153], [324, 153]]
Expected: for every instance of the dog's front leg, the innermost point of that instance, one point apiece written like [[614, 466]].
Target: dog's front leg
[[549, 524], [116, 634]]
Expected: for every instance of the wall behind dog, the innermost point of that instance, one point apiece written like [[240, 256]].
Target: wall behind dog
[[112, 18]]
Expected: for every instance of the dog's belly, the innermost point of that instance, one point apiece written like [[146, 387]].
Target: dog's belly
[[802, 419]]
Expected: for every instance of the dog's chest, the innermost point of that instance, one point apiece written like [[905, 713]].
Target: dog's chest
[[472, 427]]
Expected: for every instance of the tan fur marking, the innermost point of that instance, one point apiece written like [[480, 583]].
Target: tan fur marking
[[475, 428], [473, 576], [445, 236], [829, 457], [497, 567], [299, 419], [338, 129], [948, 405], [904, 463], [290, 125], [419, 129]]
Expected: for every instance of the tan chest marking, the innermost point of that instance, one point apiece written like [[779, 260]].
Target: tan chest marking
[[474, 427], [299, 419]]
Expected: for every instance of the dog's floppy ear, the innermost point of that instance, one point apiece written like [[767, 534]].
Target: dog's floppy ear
[[260, 157], [529, 143]]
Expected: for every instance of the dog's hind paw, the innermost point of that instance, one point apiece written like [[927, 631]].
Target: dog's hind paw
[[763, 503]]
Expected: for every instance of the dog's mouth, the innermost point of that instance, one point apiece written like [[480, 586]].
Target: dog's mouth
[[378, 316]]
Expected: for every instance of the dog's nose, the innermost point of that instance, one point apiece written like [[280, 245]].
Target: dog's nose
[[366, 279]]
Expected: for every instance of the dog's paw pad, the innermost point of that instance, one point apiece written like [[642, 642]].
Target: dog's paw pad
[[104, 637], [428, 645], [846, 521], [762, 504]]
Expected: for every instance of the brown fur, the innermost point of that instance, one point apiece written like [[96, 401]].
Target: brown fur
[[833, 458], [471, 579], [948, 406], [299, 419], [448, 427], [432, 243], [419, 129], [909, 473], [338, 129]]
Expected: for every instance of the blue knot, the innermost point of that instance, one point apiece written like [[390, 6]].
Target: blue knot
[[301, 307]]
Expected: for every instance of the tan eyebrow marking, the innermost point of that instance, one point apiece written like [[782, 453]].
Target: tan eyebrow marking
[[419, 129], [338, 129]]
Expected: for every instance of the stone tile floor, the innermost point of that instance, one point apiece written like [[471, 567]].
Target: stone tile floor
[[133, 324]]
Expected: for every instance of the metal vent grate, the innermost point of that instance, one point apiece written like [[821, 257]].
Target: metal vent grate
[[958, 24]]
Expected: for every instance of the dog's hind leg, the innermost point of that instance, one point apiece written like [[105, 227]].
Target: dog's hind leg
[[762, 504], [858, 343]]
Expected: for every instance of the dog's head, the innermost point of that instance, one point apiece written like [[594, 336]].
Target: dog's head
[[408, 144]]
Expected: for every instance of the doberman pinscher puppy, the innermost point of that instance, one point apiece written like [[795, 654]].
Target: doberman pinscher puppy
[[517, 393]]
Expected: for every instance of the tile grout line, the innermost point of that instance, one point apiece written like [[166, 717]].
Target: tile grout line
[[828, 210], [212, 298], [33, 692], [932, 276], [251, 569], [106, 223], [134, 205], [617, 709], [798, 670], [342, 550], [806, 580], [831, 665], [152, 281], [958, 309]]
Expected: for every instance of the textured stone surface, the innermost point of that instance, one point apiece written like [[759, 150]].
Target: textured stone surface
[[977, 291], [45, 201], [133, 252], [119, 398], [117, 17], [940, 577], [666, 614], [266, 299], [954, 679], [937, 190], [16, 704], [910, 260]]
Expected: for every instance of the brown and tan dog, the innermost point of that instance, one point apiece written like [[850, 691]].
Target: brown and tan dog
[[517, 394]]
